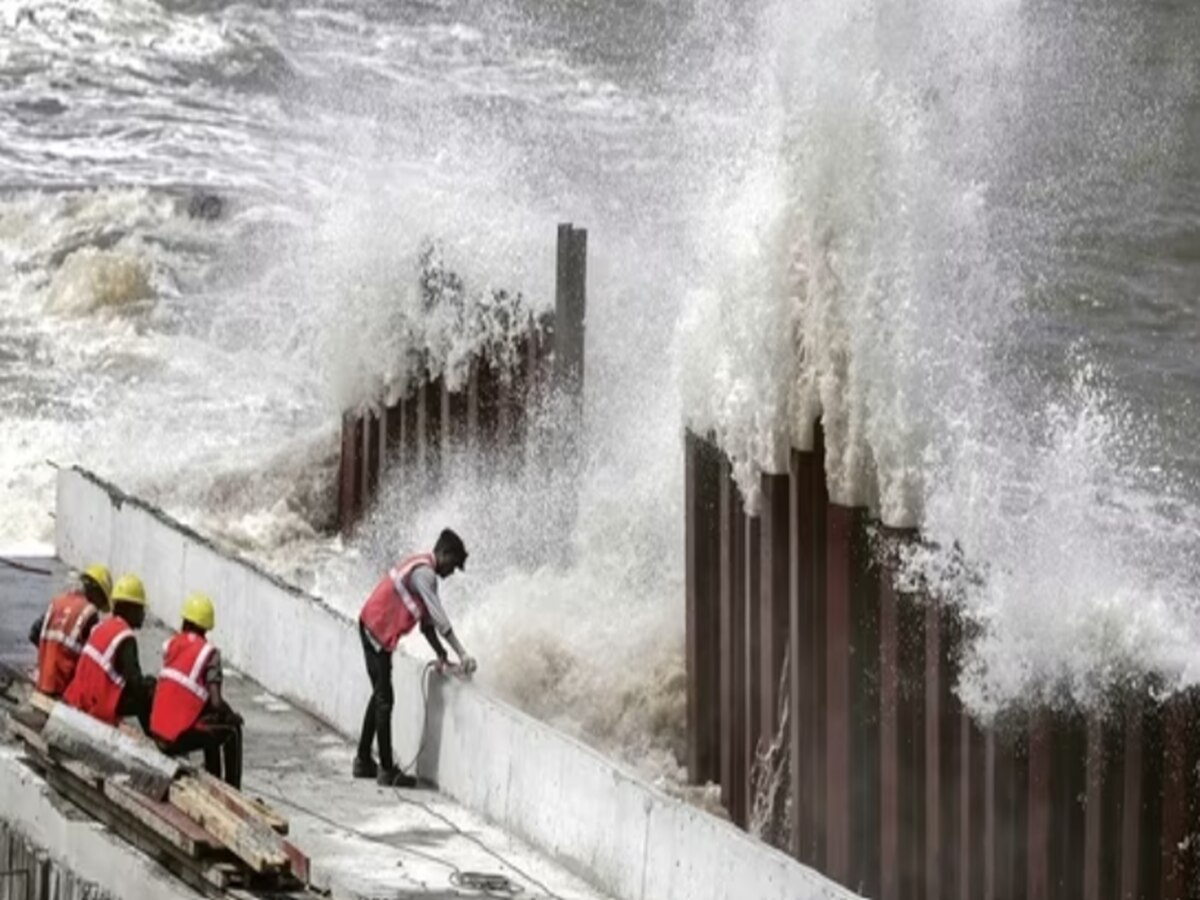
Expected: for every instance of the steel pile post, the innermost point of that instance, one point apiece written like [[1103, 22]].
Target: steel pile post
[[889, 742], [702, 473], [839, 522], [570, 309], [733, 646], [751, 633], [865, 707], [393, 434], [807, 617], [1181, 800], [776, 561], [1131, 803], [372, 454], [350, 471]]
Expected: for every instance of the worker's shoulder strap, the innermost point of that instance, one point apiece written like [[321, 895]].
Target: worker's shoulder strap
[[405, 567]]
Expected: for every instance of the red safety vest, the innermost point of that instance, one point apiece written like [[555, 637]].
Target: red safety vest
[[62, 640], [389, 614], [182, 692], [97, 686]]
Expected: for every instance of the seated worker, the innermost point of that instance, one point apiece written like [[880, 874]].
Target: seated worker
[[406, 597], [61, 632], [189, 712], [108, 683]]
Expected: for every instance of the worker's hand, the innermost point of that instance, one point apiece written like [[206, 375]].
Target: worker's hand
[[469, 665], [442, 665]]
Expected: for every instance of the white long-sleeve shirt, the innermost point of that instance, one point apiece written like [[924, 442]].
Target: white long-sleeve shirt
[[425, 582]]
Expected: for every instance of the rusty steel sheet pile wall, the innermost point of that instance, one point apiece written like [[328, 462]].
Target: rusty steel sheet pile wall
[[490, 414], [894, 790]]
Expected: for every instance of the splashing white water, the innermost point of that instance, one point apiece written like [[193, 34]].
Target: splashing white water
[[859, 208], [914, 197]]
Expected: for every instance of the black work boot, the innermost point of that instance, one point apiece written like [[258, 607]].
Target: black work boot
[[395, 778], [365, 768]]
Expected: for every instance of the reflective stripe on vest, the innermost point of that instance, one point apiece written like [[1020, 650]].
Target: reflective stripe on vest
[[399, 575], [61, 641], [182, 691], [104, 659], [393, 609], [192, 680], [70, 641], [97, 686], [65, 619]]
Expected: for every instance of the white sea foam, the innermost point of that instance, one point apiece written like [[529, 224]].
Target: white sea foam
[[883, 269], [851, 208]]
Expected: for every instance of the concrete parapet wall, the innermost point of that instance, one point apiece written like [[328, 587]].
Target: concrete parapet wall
[[49, 851], [627, 838]]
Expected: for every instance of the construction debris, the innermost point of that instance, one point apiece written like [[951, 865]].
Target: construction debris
[[210, 835], [109, 750]]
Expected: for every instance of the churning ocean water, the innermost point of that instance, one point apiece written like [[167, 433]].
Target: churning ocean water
[[967, 231]]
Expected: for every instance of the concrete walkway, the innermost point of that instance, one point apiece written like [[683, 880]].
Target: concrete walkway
[[364, 841]]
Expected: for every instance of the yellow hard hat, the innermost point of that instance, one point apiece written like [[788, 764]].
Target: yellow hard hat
[[100, 575], [198, 609], [129, 589]]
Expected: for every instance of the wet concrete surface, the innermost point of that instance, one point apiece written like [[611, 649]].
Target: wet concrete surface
[[24, 593], [364, 840]]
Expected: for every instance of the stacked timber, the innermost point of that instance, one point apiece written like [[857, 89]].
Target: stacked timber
[[210, 835]]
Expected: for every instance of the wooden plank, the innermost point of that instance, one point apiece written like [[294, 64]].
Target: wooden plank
[[161, 818], [81, 770], [42, 702], [110, 751], [130, 829], [27, 735], [239, 803], [298, 861], [255, 844]]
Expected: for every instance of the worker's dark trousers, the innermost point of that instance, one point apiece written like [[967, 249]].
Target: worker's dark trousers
[[136, 700], [220, 741], [377, 720]]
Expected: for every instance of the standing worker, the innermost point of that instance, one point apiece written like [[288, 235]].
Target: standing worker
[[189, 712], [108, 682], [405, 598], [62, 631]]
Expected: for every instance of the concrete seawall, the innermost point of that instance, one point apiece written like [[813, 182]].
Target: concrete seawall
[[594, 816]]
